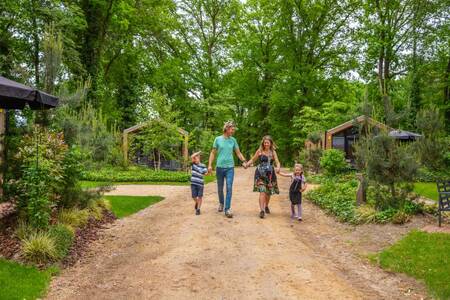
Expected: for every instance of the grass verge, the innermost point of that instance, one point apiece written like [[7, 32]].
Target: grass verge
[[123, 206], [426, 189], [424, 256], [23, 282]]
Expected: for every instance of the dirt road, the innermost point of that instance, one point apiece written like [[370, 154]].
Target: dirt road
[[166, 252]]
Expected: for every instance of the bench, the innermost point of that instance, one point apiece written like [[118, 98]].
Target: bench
[[443, 187]]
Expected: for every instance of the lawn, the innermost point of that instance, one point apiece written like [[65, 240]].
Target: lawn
[[424, 256], [426, 189], [22, 282], [123, 206]]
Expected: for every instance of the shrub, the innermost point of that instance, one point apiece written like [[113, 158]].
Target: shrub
[[138, 174], [24, 230], [400, 217], [333, 161], [34, 197], [95, 209], [39, 248], [366, 214], [63, 235], [73, 217], [338, 199]]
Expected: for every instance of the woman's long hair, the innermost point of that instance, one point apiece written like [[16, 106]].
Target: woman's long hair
[[273, 147]]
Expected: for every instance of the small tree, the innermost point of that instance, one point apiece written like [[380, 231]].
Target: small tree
[[387, 163], [333, 161], [431, 147]]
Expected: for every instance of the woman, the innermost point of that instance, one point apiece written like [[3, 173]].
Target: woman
[[265, 175]]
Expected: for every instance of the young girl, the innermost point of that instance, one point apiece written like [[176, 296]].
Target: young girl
[[298, 186], [265, 182]]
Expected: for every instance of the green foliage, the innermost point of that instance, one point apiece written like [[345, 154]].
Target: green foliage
[[428, 175], [40, 248], [333, 161], [23, 282], [73, 217], [63, 235], [423, 256], [337, 196], [110, 174], [337, 199], [432, 147], [123, 206], [387, 163]]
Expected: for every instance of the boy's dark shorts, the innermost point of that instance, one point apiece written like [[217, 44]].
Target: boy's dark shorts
[[196, 190]]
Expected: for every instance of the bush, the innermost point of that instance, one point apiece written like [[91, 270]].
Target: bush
[[337, 199], [63, 235], [337, 196], [428, 175], [39, 248], [137, 174], [24, 230], [333, 161], [73, 217]]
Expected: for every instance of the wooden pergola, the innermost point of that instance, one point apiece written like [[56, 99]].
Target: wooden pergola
[[138, 127]]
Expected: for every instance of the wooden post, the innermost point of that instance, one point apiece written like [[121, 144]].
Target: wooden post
[[2, 147], [125, 147]]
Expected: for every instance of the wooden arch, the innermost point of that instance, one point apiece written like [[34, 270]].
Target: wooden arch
[[138, 127]]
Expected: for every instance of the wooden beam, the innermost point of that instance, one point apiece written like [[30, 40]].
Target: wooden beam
[[2, 147]]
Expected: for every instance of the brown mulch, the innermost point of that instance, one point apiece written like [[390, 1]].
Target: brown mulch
[[85, 236], [10, 244]]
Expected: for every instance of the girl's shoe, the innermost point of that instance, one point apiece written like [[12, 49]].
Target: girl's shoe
[[197, 211], [220, 209], [262, 214], [229, 213], [300, 219], [267, 210]]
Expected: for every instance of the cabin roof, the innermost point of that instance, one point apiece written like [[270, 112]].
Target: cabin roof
[[359, 120]]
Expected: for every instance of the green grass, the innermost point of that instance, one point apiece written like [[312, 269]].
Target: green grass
[[426, 189], [23, 282], [123, 206], [425, 256], [94, 184]]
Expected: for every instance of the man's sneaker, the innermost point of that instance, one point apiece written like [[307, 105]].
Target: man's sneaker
[[267, 210], [262, 214], [228, 213], [220, 209], [197, 211]]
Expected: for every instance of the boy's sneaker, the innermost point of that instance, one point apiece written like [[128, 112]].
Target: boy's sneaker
[[261, 214], [229, 213], [197, 211], [267, 210], [220, 209]]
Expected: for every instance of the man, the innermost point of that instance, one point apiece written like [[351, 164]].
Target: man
[[224, 146]]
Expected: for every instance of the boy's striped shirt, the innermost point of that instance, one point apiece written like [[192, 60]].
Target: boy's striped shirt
[[198, 171]]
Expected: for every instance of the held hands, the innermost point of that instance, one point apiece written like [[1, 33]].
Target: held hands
[[278, 170], [209, 170]]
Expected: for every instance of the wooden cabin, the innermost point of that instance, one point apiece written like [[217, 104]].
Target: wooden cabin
[[345, 135]]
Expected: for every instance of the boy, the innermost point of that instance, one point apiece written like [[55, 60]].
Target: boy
[[197, 183]]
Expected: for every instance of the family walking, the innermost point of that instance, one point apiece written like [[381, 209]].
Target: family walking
[[265, 180]]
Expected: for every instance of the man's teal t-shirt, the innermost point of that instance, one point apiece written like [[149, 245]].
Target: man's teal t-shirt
[[225, 148]]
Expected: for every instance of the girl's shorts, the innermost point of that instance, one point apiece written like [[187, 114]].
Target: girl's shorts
[[196, 190]]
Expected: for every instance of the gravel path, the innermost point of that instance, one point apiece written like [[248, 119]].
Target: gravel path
[[166, 252]]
